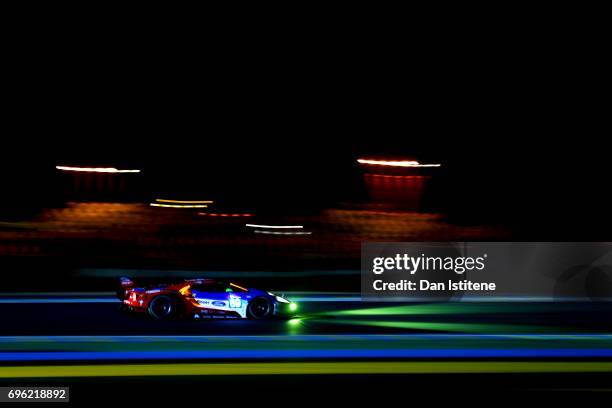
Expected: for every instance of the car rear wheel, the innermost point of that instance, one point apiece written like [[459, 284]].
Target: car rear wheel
[[163, 307], [259, 308]]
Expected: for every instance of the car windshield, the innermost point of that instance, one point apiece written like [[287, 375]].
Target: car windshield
[[233, 287], [218, 287]]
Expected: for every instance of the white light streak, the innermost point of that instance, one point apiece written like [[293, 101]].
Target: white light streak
[[96, 169], [396, 163]]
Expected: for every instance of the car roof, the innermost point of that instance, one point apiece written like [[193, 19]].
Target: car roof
[[201, 280]]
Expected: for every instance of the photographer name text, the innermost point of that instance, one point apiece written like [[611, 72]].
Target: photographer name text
[[430, 264]]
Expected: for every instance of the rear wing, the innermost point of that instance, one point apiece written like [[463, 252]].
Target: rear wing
[[126, 282]]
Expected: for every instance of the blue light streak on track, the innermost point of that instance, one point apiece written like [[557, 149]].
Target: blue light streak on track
[[303, 354], [302, 299], [438, 346], [310, 337]]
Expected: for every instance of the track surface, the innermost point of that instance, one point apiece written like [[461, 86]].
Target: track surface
[[337, 347]]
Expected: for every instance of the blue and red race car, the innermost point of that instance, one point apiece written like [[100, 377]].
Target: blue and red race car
[[202, 298]]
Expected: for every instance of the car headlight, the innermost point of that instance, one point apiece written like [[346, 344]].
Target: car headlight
[[278, 298]]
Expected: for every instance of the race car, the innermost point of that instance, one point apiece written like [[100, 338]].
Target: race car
[[202, 298]]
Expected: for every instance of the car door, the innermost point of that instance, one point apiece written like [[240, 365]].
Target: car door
[[211, 295]]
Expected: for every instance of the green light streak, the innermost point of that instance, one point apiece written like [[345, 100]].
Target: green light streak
[[448, 327], [440, 308]]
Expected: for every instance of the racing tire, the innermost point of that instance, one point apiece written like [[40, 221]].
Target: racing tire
[[260, 308], [163, 308]]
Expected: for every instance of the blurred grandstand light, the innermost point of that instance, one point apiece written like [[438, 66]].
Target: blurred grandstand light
[[179, 205], [96, 169], [226, 214], [394, 176], [274, 226], [283, 232], [184, 201], [395, 163]]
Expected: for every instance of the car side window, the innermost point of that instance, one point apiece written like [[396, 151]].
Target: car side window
[[209, 287]]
